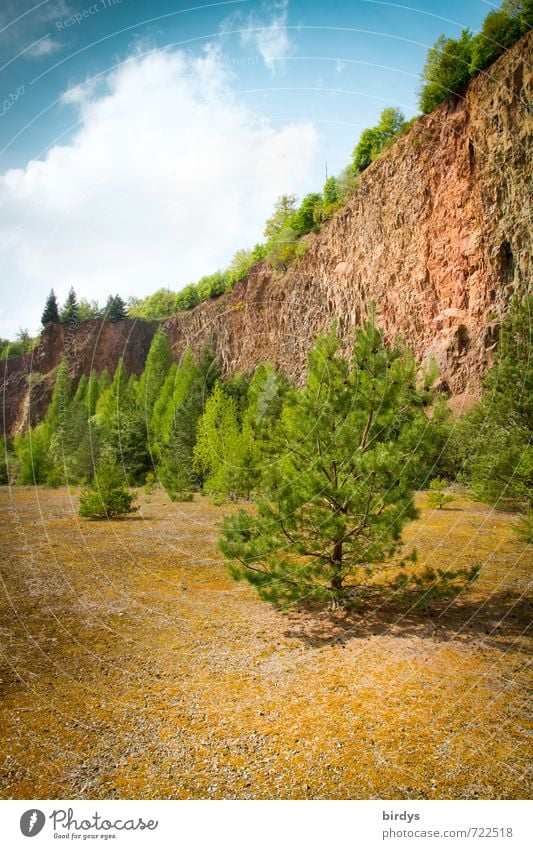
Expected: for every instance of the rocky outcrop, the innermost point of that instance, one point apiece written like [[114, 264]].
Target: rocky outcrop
[[438, 235], [27, 381]]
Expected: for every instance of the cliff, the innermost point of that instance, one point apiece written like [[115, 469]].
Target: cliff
[[438, 235], [27, 381]]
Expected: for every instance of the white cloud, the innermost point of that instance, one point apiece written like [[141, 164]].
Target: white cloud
[[43, 47], [269, 35], [167, 176]]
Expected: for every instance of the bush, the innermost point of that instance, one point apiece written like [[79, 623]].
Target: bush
[[187, 298], [107, 497], [437, 495]]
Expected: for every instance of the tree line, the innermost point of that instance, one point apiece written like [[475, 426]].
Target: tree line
[[332, 467]]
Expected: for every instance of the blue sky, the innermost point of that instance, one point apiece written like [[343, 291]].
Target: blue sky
[[142, 143]]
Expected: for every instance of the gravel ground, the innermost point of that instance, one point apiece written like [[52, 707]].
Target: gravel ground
[[132, 667]]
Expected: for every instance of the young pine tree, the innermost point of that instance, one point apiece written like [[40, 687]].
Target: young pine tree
[[107, 497], [346, 457]]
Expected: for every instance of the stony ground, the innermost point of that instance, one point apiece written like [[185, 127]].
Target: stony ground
[[132, 667]]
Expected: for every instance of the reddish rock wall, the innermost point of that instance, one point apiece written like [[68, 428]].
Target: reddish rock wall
[[27, 381], [438, 235]]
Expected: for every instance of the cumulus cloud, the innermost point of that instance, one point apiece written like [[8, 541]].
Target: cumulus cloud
[[166, 177]]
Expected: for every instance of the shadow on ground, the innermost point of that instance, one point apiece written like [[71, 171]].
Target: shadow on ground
[[497, 621]]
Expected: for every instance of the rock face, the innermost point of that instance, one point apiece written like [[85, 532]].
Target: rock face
[[27, 382], [438, 235]]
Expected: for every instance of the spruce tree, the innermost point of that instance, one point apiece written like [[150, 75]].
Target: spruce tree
[[115, 309], [346, 457], [51, 311], [69, 313]]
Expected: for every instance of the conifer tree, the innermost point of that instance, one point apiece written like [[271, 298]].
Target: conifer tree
[[122, 424], [158, 363], [32, 449], [115, 309], [69, 313], [346, 458], [51, 310], [195, 386], [219, 450], [107, 497], [493, 439]]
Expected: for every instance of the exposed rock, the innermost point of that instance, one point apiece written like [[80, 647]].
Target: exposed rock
[[438, 235], [27, 382]]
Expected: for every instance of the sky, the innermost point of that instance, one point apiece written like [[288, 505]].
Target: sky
[[143, 142]]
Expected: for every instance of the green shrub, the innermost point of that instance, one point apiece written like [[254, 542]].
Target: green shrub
[[107, 497], [437, 495]]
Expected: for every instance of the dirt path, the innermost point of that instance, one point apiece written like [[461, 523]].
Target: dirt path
[[132, 667]]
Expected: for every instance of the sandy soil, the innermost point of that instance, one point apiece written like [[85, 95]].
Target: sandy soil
[[132, 667]]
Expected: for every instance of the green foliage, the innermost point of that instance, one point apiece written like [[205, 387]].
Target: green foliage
[[5, 461], [211, 286], [438, 495], [32, 454], [499, 32], [281, 231], [305, 219], [242, 263], [159, 305], [339, 488], [524, 528], [174, 479], [115, 308], [88, 310], [451, 63], [284, 209], [493, 439], [121, 424], [447, 70], [70, 311], [375, 139], [187, 298], [221, 453], [149, 483], [11, 349], [51, 310], [158, 363], [193, 385], [107, 497]]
